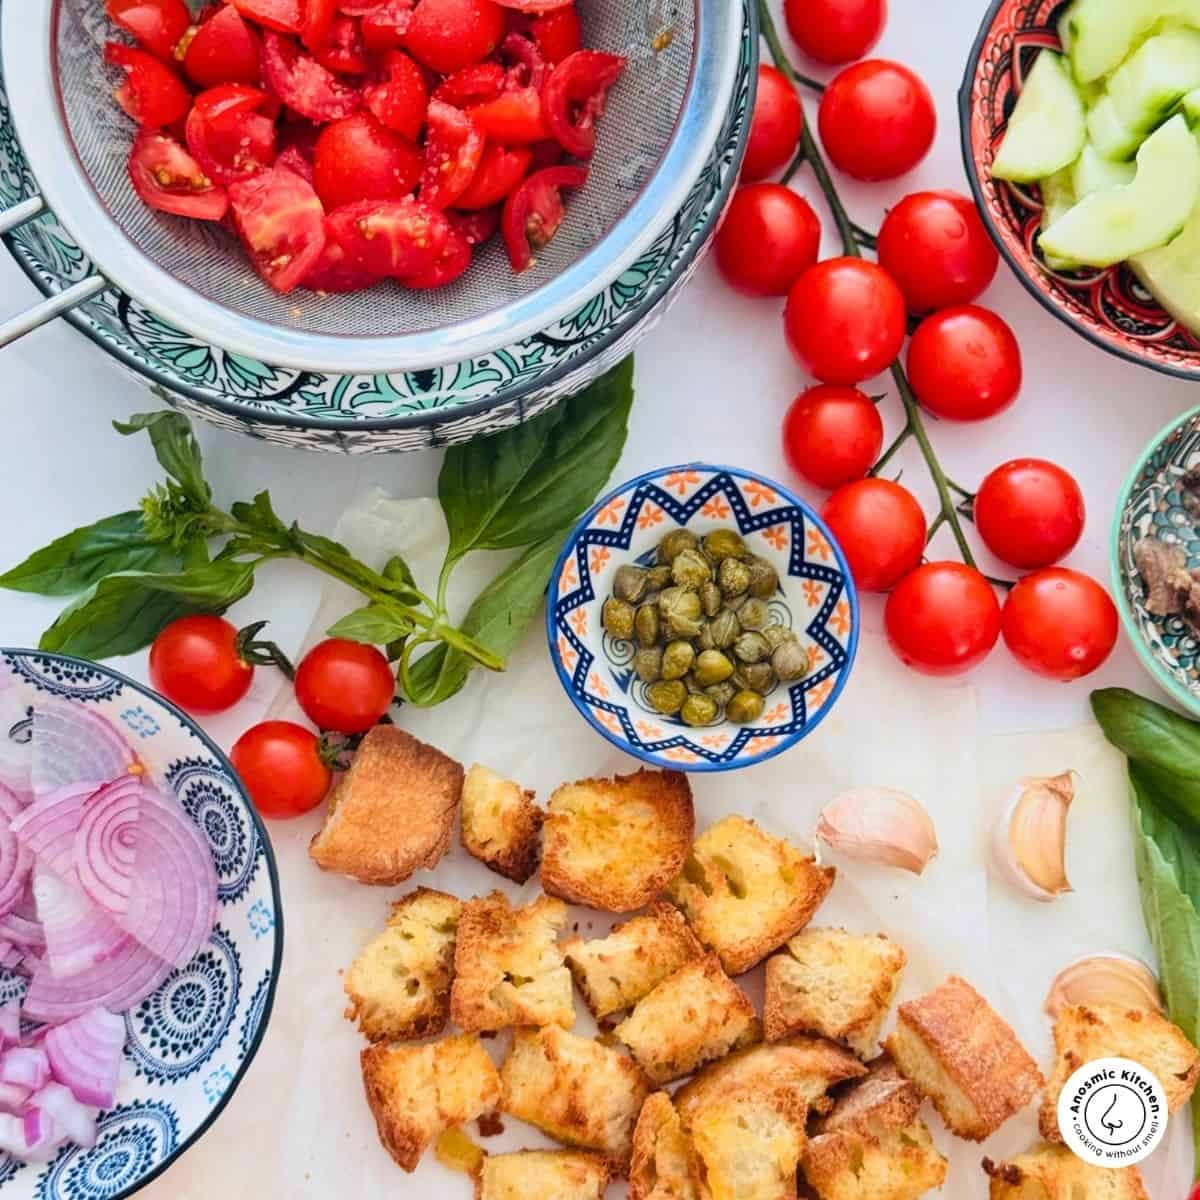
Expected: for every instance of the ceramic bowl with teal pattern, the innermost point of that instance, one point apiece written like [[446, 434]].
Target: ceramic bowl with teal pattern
[[405, 411], [816, 598], [189, 1044]]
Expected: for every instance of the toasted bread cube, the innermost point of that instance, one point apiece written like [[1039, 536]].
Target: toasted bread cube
[[1054, 1173], [399, 986], [1087, 1032], [615, 844], [393, 811], [695, 1017], [501, 825], [615, 972], [746, 893], [882, 1098], [664, 1162], [833, 983], [416, 1093], [956, 1049], [576, 1091], [749, 1144], [508, 966], [900, 1164], [543, 1175]]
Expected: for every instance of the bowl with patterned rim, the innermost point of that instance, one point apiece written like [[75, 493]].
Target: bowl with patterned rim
[[413, 410], [189, 1044], [1110, 307], [816, 598]]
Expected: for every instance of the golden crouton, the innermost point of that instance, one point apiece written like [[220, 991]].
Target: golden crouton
[[417, 1092], [501, 825], [543, 1175], [746, 893], [833, 983], [696, 1016], [957, 1050], [508, 966], [615, 844], [1054, 1173], [393, 811], [881, 1098], [399, 986], [615, 972], [664, 1163], [1087, 1032], [576, 1091]]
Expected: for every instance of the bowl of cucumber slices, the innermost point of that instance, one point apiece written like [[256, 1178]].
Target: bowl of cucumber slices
[[1081, 135]]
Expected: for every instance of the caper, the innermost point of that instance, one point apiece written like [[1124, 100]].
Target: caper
[[667, 696], [751, 647], [698, 709], [704, 639], [722, 693], [689, 681], [658, 578], [680, 611], [617, 619], [629, 584], [712, 667], [675, 543], [790, 662], [647, 664], [724, 543], [723, 630], [777, 635], [754, 614], [744, 708], [690, 569], [710, 599], [733, 577], [764, 579], [755, 677], [678, 658]]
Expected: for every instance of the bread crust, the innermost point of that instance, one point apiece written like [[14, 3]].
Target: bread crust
[[1054, 1173], [392, 814], [664, 1160], [543, 1175], [901, 1164], [501, 824]]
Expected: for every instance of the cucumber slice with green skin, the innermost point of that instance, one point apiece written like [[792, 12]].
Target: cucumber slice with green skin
[[1047, 128], [1172, 274], [1103, 32], [1146, 88], [1094, 173], [1058, 198], [1112, 225], [1110, 136]]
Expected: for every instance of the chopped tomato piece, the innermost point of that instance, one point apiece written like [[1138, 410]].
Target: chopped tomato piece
[[169, 179], [390, 237], [558, 34], [534, 212], [292, 158], [534, 6], [224, 49], [574, 97], [453, 151], [303, 84], [335, 272], [500, 173], [282, 15], [359, 8], [547, 154], [528, 67], [384, 27], [452, 263], [157, 24], [360, 159], [513, 118], [401, 100], [472, 85], [447, 35], [227, 137], [152, 93], [282, 224], [476, 227], [344, 52], [318, 22]]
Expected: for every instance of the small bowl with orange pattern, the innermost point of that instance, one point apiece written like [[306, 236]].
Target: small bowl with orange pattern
[[816, 598]]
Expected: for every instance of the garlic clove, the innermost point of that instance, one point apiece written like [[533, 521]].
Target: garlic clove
[[1029, 839], [1105, 979], [879, 825]]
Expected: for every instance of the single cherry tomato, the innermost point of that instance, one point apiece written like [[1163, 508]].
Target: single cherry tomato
[[943, 619], [935, 247], [303, 84], [280, 765], [964, 364], [401, 100], [836, 31], [227, 136], [389, 238], [453, 152], [1030, 513], [574, 96], [1060, 624], [880, 528], [447, 35], [768, 239], [319, 18], [282, 225], [776, 126], [195, 663], [343, 50], [845, 320], [223, 50], [359, 159], [344, 687], [452, 263], [157, 24], [832, 436], [534, 213], [168, 178], [500, 173], [877, 120], [152, 93], [558, 34], [281, 15], [384, 28]]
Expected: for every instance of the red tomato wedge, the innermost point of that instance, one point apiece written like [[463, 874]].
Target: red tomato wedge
[[319, 17], [360, 159], [535, 6], [453, 262], [476, 227], [335, 272], [500, 173], [227, 136], [223, 50], [453, 151], [558, 34], [574, 97], [528, 65], [152, 93], [344, 51], [282, 224], [169, 179], [282, 15], [157, 24], [292, 158], [534, 212], [359, 8], [384, 27], [400, 102], [472, 85], [514, 118], [389, 238], [303, 84]]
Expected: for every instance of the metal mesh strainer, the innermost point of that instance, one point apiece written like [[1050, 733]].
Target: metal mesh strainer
[[661, 123]]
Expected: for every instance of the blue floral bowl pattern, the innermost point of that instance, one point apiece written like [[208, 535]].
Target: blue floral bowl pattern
[[816, 598], [191, 1041], [407, 411]]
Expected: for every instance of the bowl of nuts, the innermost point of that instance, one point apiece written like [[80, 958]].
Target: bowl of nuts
[[702, 618]]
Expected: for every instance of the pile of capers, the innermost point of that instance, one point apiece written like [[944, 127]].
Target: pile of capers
[[707, 644]]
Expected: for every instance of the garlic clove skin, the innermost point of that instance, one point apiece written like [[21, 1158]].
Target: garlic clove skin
[[1029, 838], [882, 826], [1105, 979]]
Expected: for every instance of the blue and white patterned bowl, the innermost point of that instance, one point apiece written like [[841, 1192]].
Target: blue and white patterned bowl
[[816, 598], [190, 1043]]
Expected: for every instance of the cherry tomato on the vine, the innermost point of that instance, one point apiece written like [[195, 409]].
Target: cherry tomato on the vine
[[194, 662], [935, 247], [769, 238], [943, 619], [877, 120], [880, 528], [1060, 624], [964, 364], [344, 686], [832, 435], [836, 31], [776, 127], [281, 766], [845, 320], [1030, 512]]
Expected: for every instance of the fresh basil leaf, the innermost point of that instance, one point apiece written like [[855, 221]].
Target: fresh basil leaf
[[176, 448], [74, 562], [397, 571], [335, 555], [259, 515], [373, 624]]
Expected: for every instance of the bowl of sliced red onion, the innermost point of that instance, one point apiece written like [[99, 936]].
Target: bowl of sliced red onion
[[140, 931]]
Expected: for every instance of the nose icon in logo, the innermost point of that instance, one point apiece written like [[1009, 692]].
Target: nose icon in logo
[[1111, 1125]]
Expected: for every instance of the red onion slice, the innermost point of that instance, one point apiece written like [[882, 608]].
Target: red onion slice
[[71, 743], [117, 983], [14, 1139], [105, 846], [73, 1118], [13, 1098], [16, 860], [26, 1066], [47, 827], [78, 934], [10, 1024], [85, 1055]]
